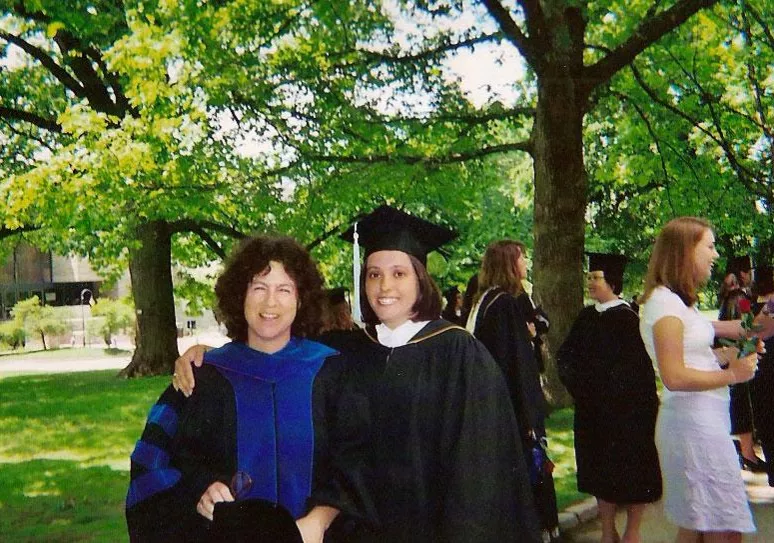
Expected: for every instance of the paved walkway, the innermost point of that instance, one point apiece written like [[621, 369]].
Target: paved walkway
[[55, 363], [656, 528]]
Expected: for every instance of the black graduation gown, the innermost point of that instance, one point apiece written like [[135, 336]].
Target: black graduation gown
[[267, 415], [762, 395], [604, 365], [501, 326], [740, 407], [441, 454]]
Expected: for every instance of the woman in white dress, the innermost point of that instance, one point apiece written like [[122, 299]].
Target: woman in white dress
[[704, 493]]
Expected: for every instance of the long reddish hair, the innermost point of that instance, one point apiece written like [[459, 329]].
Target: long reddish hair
[[672, 262], [499, 268]]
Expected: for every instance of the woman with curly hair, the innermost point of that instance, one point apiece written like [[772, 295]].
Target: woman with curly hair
[[257, 429]]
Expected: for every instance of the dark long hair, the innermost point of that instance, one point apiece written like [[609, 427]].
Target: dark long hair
[[426, 308]]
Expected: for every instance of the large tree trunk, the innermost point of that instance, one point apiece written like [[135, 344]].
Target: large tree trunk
[[151, 273], [560, 195]]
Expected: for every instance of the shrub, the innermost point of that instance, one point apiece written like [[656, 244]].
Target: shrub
[[117, 315], [12, 334], [37, 319]]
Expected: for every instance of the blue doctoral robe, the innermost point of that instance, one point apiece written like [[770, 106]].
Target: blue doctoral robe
[[266, 415]]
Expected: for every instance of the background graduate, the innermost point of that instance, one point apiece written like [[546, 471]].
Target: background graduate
[[258, 425], [442, 456], [604, 365], [503, 319]]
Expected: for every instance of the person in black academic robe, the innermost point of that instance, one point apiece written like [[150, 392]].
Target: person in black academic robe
[[739, 273], [500, 320], [260, 426], [427, 421], [762, 386], [444, 460], [605, 367]]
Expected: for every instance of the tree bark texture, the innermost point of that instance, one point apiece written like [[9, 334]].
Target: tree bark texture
[[151, 274], [560, 189]]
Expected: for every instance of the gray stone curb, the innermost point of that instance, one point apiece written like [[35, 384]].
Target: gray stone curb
[[577, 514]]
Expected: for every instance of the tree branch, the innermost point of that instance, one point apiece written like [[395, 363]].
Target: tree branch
[[649, 31], [32, 118], [8, 232], [744, 174], [200, 229], [48, 63], [512, 31], [437, 160], [325, 235], [411, 58]]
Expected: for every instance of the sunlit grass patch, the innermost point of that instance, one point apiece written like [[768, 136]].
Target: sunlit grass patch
[[561, 449], [65, 441], [58, 500]]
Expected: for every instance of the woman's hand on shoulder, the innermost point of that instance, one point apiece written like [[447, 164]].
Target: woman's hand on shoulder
[[183, 377]]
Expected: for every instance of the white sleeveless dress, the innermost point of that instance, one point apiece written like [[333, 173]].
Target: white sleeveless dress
[[703, 487]]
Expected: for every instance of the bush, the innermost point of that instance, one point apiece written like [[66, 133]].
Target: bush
[[12, 334], [117, 315], [37, 319]]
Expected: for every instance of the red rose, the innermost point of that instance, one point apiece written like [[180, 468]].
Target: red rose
[[744, 305]]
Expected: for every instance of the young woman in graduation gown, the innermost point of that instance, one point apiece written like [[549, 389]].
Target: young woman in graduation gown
[[258, 424], [441, 453], [500, 319], [605, 367]]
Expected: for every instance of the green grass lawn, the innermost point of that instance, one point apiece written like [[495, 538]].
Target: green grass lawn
[[65, 441]]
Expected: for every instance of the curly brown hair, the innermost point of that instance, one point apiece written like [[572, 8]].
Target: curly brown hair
[[251, 258], [426, 308]]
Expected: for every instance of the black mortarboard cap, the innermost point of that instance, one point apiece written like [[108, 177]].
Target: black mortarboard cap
[[253, 520], [613, 265], [739, 263], [390, 229]]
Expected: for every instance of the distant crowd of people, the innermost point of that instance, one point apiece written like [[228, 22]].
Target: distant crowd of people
[[426, 421]]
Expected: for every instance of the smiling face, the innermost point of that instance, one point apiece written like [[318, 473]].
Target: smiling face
[[704, 256], [599, 289], [391, 287], [271, 303]]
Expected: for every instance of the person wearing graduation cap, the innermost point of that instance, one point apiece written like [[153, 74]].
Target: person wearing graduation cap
[[337, 313], [440, 447], [605, 367], [742, 423], [502, 319], [251, 456], [762, 384], [445, 462]]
